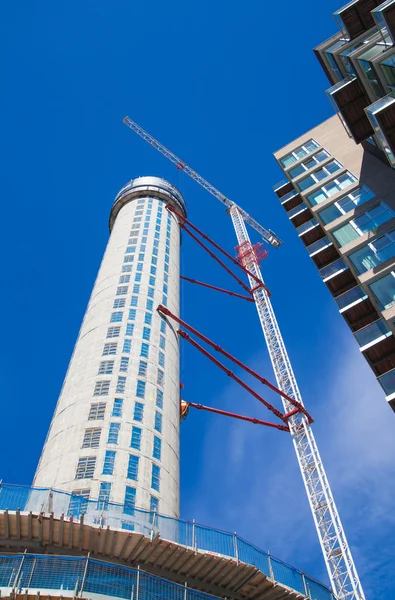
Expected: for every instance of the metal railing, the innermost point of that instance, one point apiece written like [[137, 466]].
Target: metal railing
[[351, 296], [186, 533], [370, 333]]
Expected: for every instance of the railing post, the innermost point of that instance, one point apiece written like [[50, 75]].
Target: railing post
[[18, 574], [305, 585], [193, 535], [236, 548], [138, 582], [185, 591], [84, 575], [271, 573]]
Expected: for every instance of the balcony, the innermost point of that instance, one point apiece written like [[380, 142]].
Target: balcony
[[384, 17], [282, 187], [308, 226], [293, 200], [372, 334], [349, 100], [298, 209], [332, 270], [288, 196], [381, 115], [356, 17], [318, 246], [337, 277], [387, 382], [351, 298]]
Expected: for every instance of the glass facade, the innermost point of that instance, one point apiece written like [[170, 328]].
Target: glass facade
[[384, 290], [371, 219], [345, 204], [299, 153], [374, 253], [331, 188]]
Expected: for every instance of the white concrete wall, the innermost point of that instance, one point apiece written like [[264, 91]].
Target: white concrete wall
[[63, 447]]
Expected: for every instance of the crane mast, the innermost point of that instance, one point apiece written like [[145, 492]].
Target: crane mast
[[337, 554]]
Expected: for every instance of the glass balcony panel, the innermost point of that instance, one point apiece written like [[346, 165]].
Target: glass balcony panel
[[307, 226], [330, 214], [372, 332], [374, 112], [280, 184], [297, 210], [356, 293], [318, 245], [288, 196], [387, 382], [384, 290], [336, 267]]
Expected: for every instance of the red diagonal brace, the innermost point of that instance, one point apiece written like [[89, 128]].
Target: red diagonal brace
[[214, 287], [236, 416], [184, 220], [230, 373], [218, 348]]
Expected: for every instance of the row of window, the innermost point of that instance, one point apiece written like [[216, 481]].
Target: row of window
[[86, 468], [97, 409], [92, 435], [79, 502]]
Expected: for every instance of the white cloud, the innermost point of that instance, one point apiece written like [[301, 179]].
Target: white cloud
[[251, 480]]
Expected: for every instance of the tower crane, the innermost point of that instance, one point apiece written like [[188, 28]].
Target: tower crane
[[337, 554]]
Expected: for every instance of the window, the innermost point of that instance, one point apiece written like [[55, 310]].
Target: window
[[144, 350], [160, 378], [106, 367], [101, 388], [346, 204], [318, 175], [135, 226], [155, 251], [163, 325], [366, 222], [151, 281], [146, 333], [130, 500], [132, 314], [125, 269], [154, 260], [309, 164], [384, 290], [137, 220], [96, 411], [113, 433], [136, 289], [139, 266], [165, 288], [156, 243], [121, 383], [149, 305], [140, 389], [157, 449], [129, 329], [167, 259], [299, 153], [135, 442], [141, 256], [104, 496], [124, 279], [155, 479], [158, 422], [331, 188], [159, 399], [164, 300], [142, 368], [91, 438], [138, 411], [113, 332], [166, 268], [165, 278], [116, 317], [121, 291], [133, 467], [86, 467], [109, 349], [153, 270], [374, 253], [148, 318], [162, 342], [109, 461], [130, 250], [117, 407], [124, 365], [79, 501], [161, 359], [134, 301], [127, 345], [154, 504], [137, 277], [119, 302], [151, 292], [128, 258]]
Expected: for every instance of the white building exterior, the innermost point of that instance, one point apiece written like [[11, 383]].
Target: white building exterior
[[115, 430]]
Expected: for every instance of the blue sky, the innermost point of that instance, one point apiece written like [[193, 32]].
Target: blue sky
[[223, 85]]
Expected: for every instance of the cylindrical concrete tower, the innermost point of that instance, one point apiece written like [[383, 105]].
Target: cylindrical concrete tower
[[115, 430]]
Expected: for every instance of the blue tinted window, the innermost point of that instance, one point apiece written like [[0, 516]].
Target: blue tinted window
[[127, 345], [144, 350], [138, 411], [130, 501], [157, 449], [136, 438], [140, 389], [133, 467], [158, 421], [117, 408], [109, 461], [113, 433], [155, 479], [159, 399]]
